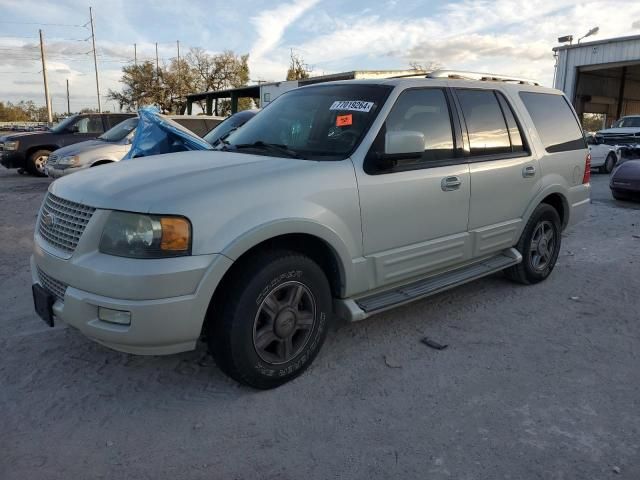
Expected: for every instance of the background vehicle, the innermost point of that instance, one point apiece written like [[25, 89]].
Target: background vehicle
[[603, 157], [112, 146], [625, 181], [345, 198], [30, 150], [228, 125]]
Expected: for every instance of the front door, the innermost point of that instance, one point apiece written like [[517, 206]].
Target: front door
[[415, 212]]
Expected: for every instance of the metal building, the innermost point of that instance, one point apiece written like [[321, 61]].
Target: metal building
[[601, 77]]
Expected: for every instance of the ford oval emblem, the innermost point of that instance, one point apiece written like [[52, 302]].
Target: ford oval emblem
[[48, 219]]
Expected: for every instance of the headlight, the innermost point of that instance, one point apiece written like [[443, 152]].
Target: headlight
[[69, 161], [11, 145], [146, 236]]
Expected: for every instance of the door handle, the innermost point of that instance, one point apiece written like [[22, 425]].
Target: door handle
[[529, 171], [450, 183]]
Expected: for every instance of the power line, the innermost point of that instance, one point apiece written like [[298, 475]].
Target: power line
[[43, 24]]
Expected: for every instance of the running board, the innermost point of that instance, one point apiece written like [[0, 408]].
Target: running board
[[360, 308]]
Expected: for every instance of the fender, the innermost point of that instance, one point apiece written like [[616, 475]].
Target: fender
[[554, 188], [244, 242]]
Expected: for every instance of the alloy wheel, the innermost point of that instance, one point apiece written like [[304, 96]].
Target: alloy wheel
[[543, 245], [284, 322]]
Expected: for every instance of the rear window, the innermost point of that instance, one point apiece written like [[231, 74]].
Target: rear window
[[557, 126], [486, 125]]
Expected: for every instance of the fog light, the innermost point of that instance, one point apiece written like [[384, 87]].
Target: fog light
[[114, 316]]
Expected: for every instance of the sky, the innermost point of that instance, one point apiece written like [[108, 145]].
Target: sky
[[501, 36]]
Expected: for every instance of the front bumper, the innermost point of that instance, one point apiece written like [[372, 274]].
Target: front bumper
[[12, 159], [55, 172], [167, 299]]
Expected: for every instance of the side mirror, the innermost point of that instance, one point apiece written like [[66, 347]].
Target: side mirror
[[405, 143]]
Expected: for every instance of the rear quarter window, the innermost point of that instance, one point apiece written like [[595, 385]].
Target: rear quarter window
[[555, 121]]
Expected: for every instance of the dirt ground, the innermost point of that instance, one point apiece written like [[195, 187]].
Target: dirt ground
[[537, 382]]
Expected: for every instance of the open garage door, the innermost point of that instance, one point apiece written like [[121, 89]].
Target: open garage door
[[612, 90]]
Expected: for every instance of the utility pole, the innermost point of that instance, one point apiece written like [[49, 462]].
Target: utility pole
[[179, 78], [68, 100], [135, 55], [95, 59], [157, 64], [47, 98]]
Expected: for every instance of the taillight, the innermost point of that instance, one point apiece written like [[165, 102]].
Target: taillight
[[587, 169]]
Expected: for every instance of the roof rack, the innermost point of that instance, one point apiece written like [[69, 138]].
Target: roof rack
[[486, 77]]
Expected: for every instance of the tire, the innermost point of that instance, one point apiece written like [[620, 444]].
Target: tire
[[37, 161], [271, 320], [609, 163], [537, 263], [619, 196]]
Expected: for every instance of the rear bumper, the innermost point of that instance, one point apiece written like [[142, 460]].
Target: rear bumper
[[579, 200], [12, 159]]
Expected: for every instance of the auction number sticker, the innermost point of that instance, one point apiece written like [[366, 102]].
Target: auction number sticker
[[352, 105]]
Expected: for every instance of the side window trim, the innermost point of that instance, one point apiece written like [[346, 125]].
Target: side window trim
[[465, 132], [503, 102], [457, 133]]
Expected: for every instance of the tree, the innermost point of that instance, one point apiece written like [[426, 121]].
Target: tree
[[220, 72], [298, 70], [429, 66], [22, 112], [168, 86]]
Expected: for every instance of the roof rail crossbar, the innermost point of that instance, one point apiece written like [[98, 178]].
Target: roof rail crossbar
[[487, 77]]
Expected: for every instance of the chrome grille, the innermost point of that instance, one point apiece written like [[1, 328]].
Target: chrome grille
[[62, 222], [53, 159], [50, 284]]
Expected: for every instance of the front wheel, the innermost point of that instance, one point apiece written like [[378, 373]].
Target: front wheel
[[37, 161], [272, 319], [539, 245]]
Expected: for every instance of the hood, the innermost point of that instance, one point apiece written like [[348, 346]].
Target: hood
[[153, 184], [621, 130], [17, 136], [629, 170], [81, 147]]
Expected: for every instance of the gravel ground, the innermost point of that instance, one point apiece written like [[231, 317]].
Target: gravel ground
[[537, 382]]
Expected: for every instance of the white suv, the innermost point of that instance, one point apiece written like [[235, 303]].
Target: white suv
[[344, 198]]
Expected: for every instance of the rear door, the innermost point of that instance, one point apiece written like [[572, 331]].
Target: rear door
[[415, 211], [504, 174]]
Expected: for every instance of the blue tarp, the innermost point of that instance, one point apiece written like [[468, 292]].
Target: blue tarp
[[157, 134]]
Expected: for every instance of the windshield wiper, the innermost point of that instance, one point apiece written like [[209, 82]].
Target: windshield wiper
[[274, 147]]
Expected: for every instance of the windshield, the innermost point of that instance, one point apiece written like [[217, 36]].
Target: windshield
[[627, 122], [234, 121], [62, 126], [120, 131], [324, 122]]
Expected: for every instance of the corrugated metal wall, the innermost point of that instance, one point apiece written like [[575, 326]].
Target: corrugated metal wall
[[622, 50]]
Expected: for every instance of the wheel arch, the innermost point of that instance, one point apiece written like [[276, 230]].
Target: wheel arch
[[32, 150], [313, 246], [103, 161], [555, 196]]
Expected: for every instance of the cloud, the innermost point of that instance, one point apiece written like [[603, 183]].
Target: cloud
[[270, 25]]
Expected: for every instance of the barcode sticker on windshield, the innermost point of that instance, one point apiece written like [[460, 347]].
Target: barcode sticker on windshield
[[352, 105]]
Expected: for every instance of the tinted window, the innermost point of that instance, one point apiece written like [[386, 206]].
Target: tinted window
[[627, 122], [92, 124], [233, 122], [425, 111], [557, 126], [514, 131], [485, 123]]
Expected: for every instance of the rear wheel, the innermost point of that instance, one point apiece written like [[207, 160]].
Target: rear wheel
[[272, 319], [609, 163], [37, 161], [539, 245]]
